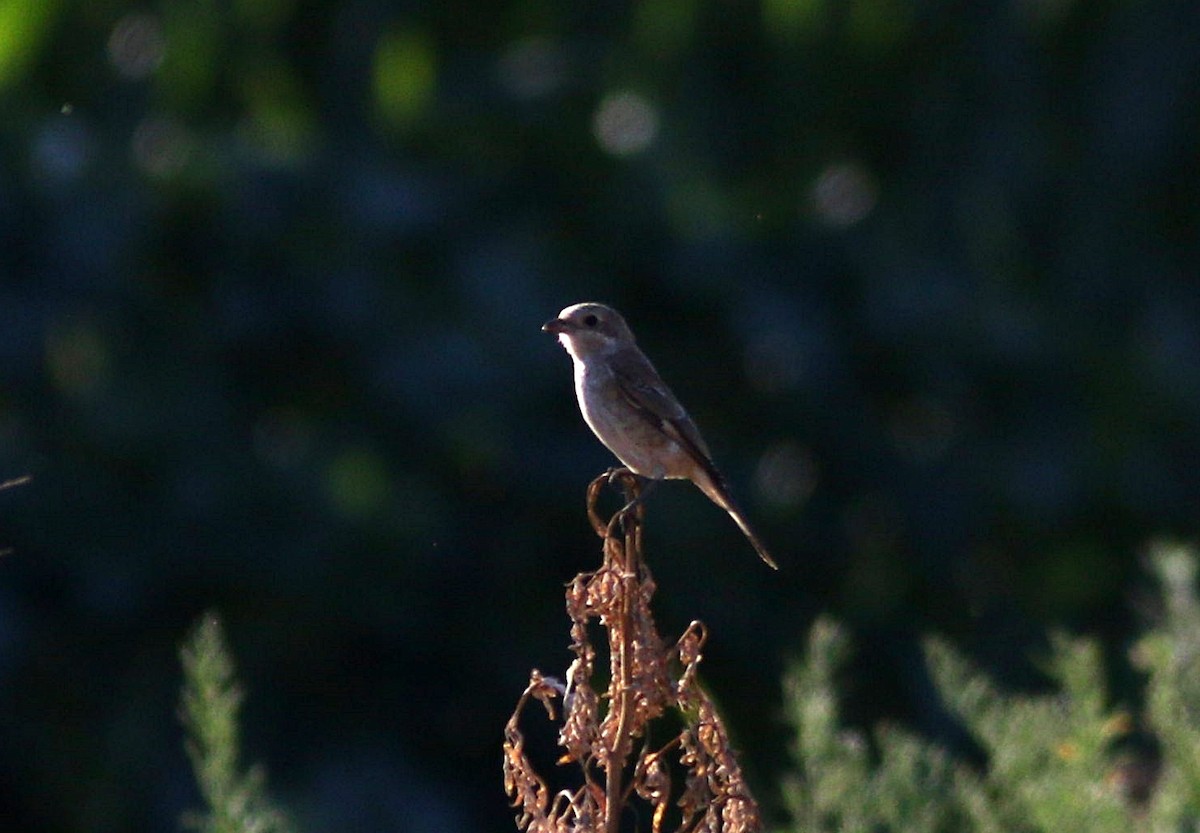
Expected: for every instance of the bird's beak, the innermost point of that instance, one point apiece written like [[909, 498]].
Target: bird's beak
[[556, 326]]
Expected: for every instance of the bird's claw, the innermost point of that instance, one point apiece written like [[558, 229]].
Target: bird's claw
[[628, 507], [615, 473], [646, 486]]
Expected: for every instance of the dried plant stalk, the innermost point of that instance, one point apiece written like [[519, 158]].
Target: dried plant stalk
[[714, 797]]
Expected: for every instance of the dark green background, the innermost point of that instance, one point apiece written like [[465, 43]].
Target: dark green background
[[271, 283]]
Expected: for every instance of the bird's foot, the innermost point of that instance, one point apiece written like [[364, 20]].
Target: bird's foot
[[647, 486], [615, 474]]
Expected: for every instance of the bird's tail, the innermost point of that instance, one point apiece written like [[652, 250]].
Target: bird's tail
[[713, 485]]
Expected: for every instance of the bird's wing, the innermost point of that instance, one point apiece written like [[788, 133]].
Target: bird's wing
[[641, 385]]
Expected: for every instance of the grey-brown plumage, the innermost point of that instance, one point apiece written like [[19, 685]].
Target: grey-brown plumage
[[633, 412]]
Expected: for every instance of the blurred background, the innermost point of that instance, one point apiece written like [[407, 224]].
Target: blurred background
[[271, 283]]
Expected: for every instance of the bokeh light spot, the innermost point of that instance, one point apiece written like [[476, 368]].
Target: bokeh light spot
[[279, 123], [137, 46], [532, 68], [61, 150], [161, 146], [358, 483], [786, 475], [625, 123], [405, 75], [843, 194]]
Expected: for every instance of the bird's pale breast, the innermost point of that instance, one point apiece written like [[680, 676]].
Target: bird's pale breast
[[637, 442]]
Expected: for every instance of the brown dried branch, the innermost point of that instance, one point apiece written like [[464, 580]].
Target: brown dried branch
[[714, 796]]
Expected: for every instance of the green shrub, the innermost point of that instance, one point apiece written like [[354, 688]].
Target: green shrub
[[235, 800], [1057, 762]]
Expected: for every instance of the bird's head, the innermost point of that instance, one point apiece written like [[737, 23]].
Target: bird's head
[[585, 329]]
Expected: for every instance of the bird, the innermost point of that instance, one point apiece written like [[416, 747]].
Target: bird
[[632, 411]]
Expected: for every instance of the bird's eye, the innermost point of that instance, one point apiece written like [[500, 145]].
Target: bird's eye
[[590, 321]]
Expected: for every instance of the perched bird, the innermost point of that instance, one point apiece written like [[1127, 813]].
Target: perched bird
[[631, 410]]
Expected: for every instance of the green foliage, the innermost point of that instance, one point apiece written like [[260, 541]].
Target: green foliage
[[1171, 657], [1056, 762], [24, 25], [209, 705]]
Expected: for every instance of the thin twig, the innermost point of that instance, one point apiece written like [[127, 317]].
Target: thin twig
[[625, 558]]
